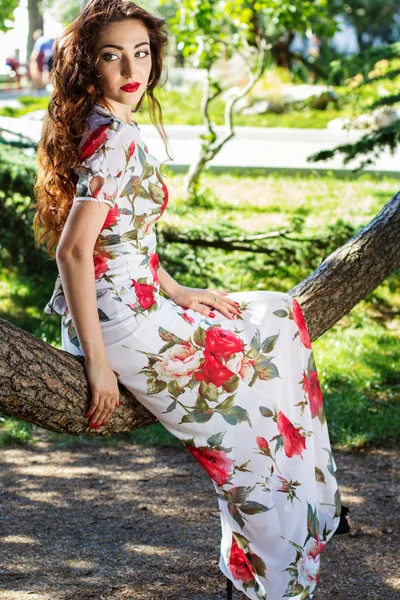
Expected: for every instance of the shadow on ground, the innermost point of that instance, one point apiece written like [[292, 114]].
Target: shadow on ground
[[142, 523]]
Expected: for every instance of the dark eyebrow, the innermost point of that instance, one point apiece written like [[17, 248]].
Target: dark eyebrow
[[121, 48]]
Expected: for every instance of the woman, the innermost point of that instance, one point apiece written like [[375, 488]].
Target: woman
[[232, 375]]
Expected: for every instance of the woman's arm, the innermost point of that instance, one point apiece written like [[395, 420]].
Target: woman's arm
[[201, 300], [74, 258], [77, 277], [167, 283]]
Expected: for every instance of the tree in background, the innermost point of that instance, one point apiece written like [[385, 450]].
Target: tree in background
[[375, 21], [380, 64], [210, 30]]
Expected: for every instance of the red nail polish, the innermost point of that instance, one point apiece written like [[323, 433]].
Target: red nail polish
[[211, 314], [237, 303], [118, 403]]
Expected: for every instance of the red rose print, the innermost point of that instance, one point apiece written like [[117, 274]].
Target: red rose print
[[165, 202], [100, 265], [308, 564], [318, 547], [93, 143], [190, 320], [145, 294], [112, 217], [212, 371], [298, 318], [313, 391], [131, 149], [263, 445], [154, 265], [222, 343], [215, 462], [293, 441], [239, 564]]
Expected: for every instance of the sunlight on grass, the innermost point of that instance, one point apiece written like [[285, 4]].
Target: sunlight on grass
[[264, 202], [359, 366], [358, 359], [189, 112]]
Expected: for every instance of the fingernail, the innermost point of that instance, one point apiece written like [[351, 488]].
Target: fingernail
[[118, 403], [89, 414], [237, 303], [92, 425], [211, 314], [103, 423], [239, 311]]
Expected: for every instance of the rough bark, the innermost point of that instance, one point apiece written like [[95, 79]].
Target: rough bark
[[48, 387], [351, 272]]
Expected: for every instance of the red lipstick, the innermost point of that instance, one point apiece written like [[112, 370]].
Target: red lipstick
[[130, 87]]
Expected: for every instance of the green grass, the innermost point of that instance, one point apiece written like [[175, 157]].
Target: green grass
[[358, 359], [189, 112]]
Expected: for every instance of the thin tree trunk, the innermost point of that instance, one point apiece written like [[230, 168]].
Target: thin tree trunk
[[48, 387], [211, 146], [35, 21]]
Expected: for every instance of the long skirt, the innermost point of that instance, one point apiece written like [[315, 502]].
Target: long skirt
[[243, 397]]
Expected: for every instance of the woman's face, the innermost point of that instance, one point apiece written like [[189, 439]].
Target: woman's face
[[124, 55]]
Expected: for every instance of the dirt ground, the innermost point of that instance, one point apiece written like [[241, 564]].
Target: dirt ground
[[90, 522]]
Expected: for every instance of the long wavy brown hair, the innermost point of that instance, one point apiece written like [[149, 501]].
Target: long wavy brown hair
[[76, 90]]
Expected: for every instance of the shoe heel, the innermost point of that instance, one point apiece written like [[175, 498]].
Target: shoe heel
[[229, 589], [343, 526]]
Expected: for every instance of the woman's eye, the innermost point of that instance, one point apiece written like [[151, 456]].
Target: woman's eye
[[108, 54], [112, 54]]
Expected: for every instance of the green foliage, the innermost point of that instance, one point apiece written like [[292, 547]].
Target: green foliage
[[366, 75], [209, 29], [7, 8], [363, 62], [16, 239], [29, 104], [373, 20], [360, 394], [14, 431], [371, 143]]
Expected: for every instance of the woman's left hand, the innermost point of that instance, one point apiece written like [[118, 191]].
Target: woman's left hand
[[205, 301]]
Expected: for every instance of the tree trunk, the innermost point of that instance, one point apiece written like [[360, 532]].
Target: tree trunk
[[35, 20], [48, 387]]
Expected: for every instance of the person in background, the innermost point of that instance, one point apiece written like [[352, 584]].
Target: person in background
[[15, 73], [41, 60]]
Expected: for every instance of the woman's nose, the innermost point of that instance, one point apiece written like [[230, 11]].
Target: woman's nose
[[128, 69]]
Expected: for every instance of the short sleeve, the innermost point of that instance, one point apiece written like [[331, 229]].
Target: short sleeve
[[98, 156]]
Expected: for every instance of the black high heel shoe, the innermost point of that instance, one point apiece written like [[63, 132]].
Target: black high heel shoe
[[343, 527], [229, 588]]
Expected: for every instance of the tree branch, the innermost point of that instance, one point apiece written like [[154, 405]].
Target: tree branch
[[48, 387]]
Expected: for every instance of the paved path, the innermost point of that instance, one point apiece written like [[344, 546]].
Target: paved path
[[269, 148]]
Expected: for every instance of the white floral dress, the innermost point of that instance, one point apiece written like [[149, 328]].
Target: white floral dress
[[242, 395]]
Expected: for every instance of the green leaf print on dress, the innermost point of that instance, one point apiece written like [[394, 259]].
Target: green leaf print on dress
[[241, 395]]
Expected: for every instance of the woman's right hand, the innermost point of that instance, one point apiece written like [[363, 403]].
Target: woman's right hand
[[104, 387]]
